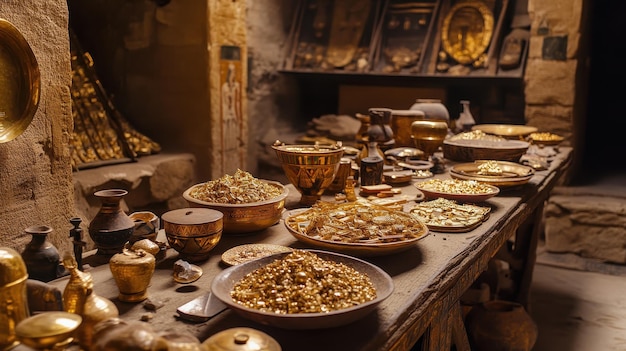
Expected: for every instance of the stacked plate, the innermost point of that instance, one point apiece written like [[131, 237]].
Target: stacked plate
[[509, 173]]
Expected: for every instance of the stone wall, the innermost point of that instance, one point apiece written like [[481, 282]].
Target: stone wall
[[556, 69], [35, 173]]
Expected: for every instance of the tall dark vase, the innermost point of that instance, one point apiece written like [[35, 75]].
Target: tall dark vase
[[500, 326], [111, 228], [42, 259]]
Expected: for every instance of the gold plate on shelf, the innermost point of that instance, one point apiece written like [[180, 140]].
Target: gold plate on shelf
[[248, 252], [467, 30], [20, 82], [511, 173]]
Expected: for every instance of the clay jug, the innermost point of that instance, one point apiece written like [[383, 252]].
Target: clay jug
[[40, 256], [111, 228], [380, 129], [500, 326], [433, 109]]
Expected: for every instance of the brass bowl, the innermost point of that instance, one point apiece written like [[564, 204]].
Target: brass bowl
[[47, 329], [473, 150], [193, 232], [310, 168], [248, 217]]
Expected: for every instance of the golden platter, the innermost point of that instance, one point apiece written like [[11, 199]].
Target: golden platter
[[20, 82], [505, 130], [474, 191], [367, 248], [513, 174], [442, 215], [467, 30]]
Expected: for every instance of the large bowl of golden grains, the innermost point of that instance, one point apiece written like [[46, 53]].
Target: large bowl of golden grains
[[249, 204], [303, 289]]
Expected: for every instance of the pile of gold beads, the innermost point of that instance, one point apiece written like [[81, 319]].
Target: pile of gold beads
[[544, 136], [303, 282], [476, 135], [455, 186], [490, 168], [240, 188], [448, 213]]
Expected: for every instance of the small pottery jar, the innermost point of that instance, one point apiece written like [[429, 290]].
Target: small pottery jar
[[132, 271], [380, 129], [79, 298], [13, 297], [401, 125], [111, 228], [433, 109], [40, 256], [193, 232], [500, 325]]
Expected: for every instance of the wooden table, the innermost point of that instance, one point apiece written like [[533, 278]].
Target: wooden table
[[429, 279]]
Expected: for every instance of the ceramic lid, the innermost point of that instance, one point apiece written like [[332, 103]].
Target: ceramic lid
[[192, 216], [241, 339]]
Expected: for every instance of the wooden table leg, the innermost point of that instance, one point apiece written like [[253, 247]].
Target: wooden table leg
[[447, 330]]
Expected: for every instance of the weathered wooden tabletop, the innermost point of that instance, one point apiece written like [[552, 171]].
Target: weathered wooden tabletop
[[429, 279]]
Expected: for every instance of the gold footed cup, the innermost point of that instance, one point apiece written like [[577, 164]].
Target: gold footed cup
[[310, 168], [428, 136]]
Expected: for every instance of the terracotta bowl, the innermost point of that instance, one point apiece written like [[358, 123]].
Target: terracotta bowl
[[249, 217]]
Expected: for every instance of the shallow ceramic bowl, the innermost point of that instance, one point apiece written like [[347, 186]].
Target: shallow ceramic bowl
[[47, 329], [513, 174], [246, 218], [472, 150], [223, 284]]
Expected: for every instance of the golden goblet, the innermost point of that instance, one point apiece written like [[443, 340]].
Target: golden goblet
[[428, 136], [310, 168]]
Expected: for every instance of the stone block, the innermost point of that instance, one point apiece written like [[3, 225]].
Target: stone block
[[590, 225]]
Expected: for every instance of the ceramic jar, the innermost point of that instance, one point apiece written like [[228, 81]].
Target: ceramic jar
[[433, 109], [13, 297], [500, 325], [401, 125], [111, 228], [132, 271], [380, 129], [40, 256]]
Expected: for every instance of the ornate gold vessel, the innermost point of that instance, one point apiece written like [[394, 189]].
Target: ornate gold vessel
[[310, 168], [13, 300], [50, 330], [132, 271]]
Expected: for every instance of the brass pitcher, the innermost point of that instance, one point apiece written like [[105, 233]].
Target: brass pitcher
[[13, 298], [79, 298]]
